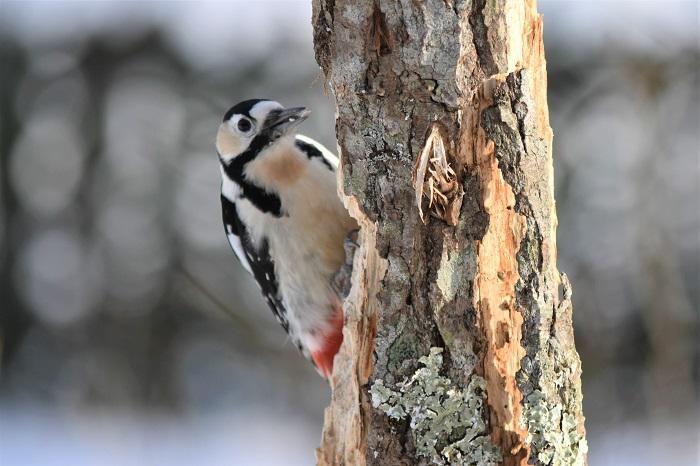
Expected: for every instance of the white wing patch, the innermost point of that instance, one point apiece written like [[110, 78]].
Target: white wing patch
[[237, 247], [230, 191], [328, 155]]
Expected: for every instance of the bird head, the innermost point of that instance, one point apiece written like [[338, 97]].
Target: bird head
[[254, 125]]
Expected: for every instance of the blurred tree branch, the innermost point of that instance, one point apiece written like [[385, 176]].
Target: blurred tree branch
[[458, 342]]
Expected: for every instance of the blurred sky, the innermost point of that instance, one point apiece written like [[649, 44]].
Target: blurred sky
[[239, 383], [219, 34]]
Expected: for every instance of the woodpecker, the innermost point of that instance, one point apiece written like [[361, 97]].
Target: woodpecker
[[285, 221]]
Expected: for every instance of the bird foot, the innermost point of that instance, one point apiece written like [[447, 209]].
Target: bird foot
[[342, 280]]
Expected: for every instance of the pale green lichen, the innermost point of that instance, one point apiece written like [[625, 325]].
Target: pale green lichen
[[554, 435], [447, 423]]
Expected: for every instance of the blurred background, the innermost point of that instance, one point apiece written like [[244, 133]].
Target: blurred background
[[130, 336]]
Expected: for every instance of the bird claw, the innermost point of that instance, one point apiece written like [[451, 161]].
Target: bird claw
[[342, 280]]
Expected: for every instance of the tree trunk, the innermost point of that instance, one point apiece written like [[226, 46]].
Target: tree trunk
[[458, 342]]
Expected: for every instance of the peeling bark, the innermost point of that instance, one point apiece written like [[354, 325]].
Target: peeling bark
[[473, 292]]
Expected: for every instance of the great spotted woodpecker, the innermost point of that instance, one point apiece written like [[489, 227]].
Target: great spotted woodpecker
[[285, 221]]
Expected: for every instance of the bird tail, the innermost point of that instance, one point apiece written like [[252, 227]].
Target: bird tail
[[323, 358]]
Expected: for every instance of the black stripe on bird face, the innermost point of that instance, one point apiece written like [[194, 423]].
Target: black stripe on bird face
[[262, 199], [234, 169], [278, 122]]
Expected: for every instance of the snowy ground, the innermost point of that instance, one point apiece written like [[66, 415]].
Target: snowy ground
[[31, 437]]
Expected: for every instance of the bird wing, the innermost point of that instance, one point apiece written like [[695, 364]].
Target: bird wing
[[257, 261], [314, 149]]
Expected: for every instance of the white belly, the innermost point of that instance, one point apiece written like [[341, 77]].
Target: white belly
[[306, 246]]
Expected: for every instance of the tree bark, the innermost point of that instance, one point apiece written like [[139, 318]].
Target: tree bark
[[458, 343]]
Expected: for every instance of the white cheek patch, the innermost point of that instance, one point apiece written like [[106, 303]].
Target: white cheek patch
[[228, 143]]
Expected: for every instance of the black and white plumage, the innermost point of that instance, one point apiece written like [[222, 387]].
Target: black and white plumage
[[285, 221], [256, 261]]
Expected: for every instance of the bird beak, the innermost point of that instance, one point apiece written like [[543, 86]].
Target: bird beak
[[283, 121]]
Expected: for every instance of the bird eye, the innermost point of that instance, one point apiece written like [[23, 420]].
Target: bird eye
[[244, 125]]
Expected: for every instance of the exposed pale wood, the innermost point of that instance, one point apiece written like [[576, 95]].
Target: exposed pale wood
[[346, 419]]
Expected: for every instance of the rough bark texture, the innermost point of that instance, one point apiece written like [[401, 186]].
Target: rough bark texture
[[458, 341]]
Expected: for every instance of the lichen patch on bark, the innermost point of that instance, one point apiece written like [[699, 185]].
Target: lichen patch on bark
[[447, 423]]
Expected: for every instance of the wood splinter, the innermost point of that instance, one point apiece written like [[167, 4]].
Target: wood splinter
[[435, 179]]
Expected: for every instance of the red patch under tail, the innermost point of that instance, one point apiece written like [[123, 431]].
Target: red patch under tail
[[332, 341]]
